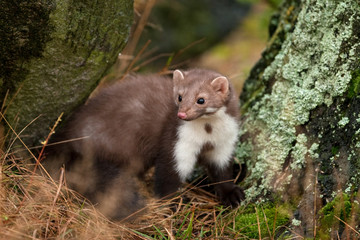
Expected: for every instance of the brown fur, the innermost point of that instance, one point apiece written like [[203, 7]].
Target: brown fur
[[125, 129]]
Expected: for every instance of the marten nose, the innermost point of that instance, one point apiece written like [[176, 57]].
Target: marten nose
[[181, 115]]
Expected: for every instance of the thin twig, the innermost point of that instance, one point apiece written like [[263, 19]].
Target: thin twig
[[4, 101], [170, 234], [215, 222], [179, 53], [17, 135], [275, 218], [3, 109], [258, 222], [54, 201], [266, 222], [315, 199], [293, 232], [347, 225], [240, 170], [38, 160], [130, 47], [135, 59], [152, 59]]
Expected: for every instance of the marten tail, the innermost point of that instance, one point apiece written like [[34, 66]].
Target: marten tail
[[121, 198], [110, 187]]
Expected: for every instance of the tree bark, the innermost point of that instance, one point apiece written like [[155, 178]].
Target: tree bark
[[53, 54], [301, 109]]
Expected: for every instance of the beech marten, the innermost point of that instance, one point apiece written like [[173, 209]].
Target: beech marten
[[146, 121]]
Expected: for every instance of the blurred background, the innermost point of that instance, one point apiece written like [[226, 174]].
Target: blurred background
[[227, 36]]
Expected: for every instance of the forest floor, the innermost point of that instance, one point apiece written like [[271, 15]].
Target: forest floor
[[35, 207]]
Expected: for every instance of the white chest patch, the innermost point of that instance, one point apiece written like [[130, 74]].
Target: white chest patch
[[192, 136]]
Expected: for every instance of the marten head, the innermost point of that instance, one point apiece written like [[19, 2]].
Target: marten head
[[199, 93]]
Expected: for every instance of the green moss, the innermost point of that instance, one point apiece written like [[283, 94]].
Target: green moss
[[334, 150], [343, 207], [268, 217], [85, 40], [25, 29], [354, 88]]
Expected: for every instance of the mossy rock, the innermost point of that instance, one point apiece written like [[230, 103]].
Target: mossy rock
[[54, 54]]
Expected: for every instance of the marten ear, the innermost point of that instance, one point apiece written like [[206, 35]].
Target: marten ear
[[178, 76], [221, 85]]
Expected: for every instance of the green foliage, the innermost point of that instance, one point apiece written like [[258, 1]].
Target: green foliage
[[354, 88], [343, 207], [340, 203], [335, 150], [268, 218], [243, 223]]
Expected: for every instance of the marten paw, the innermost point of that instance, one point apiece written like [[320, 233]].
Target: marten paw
[[231, 195]]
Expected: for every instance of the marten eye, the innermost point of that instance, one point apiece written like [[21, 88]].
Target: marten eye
[[200, 101], [180, 98]]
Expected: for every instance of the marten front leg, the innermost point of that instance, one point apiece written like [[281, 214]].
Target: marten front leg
[[167, 180], [229, 193]]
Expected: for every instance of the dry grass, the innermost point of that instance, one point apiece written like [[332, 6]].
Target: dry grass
[[34, 207]]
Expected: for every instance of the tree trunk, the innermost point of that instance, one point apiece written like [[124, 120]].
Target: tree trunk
[[53, 54], [301, 111]]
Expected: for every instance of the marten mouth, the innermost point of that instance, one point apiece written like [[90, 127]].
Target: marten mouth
[[204, 115], [188, 119], [210, 113], [189, 116], [185, 117]]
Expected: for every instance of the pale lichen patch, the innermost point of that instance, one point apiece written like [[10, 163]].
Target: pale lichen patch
[[311, 70], [343, 121]]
